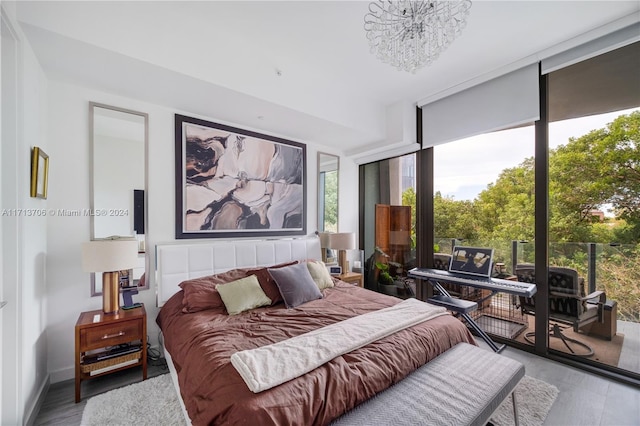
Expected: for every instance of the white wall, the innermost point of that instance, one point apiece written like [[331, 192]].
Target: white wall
[[24, 351], [68, 286], [34, 240], [348, 196]]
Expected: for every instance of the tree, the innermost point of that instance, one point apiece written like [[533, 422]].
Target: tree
[[454, 219], [409, 199], [599, 168], [506, 207], [619, 155], [331, 201]]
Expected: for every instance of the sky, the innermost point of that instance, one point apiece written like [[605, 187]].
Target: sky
[[462, 169]]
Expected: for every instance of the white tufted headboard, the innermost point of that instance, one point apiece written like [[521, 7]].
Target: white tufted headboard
[[178, 262]]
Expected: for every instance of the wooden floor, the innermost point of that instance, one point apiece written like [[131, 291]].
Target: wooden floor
[[59, 407], [584, 399]]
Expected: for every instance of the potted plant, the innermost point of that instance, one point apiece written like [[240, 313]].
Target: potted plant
[[386, 282]]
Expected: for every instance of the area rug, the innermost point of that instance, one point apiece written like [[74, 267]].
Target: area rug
[[534, 399], [606, 351], [154, 402]]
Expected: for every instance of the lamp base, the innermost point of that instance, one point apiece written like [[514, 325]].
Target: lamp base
[[342, 261], [110, 292]]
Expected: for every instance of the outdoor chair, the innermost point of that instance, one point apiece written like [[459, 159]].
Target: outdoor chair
[[441, 261], [567, 304]]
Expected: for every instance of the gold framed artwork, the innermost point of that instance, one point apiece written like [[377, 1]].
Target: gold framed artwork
[[39, 173]]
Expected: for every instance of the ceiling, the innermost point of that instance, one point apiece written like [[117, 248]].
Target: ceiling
[[297, 69]]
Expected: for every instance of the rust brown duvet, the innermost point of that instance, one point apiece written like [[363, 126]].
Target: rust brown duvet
[[202, 343]]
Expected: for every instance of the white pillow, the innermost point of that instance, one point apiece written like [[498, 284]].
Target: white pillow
[[320, 274], [242, 295]]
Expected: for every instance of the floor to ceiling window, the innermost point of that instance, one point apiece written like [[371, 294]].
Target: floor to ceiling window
[[486, 192], [594, 240], [594, 200], [389, 210], [484, 197]]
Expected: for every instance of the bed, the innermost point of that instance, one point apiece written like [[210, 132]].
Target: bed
[[200, 342]]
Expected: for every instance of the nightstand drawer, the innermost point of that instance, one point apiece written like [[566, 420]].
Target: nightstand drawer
[[100, 337]]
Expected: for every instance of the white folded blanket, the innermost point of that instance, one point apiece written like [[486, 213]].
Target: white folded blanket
[[268, 366]]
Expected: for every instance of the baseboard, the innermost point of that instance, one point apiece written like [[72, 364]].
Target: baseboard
[[33, 411], [68, 373]]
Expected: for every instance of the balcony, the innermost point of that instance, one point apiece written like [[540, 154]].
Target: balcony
[[610, 268]]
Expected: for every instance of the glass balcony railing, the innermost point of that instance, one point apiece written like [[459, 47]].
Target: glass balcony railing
[[611, 268]]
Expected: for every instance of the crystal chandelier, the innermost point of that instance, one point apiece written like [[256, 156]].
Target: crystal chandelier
[[411, 34]]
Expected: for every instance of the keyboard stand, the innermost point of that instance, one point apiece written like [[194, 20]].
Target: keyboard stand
[[461, 307]]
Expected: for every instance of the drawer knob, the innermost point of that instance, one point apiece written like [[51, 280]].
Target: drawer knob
[[109, 336]]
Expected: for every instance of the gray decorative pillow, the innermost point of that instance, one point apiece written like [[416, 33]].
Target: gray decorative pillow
[[295, 284], [242, 295]]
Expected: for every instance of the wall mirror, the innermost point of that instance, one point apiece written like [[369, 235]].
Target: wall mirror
[[119, 139], [328, 169]]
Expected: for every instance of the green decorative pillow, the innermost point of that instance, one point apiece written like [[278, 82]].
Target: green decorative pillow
[[320, 274], [242, 295]]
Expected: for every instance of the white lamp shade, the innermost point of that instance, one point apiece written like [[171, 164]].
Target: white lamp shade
[[324, 239], [342, 241], [109, 255]]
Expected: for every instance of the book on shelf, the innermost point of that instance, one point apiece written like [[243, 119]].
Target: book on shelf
[[112, 367], [110, 353]]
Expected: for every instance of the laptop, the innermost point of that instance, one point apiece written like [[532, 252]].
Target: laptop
[[477, 261]]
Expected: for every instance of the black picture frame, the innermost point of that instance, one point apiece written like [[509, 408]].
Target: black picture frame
[[231, 182]]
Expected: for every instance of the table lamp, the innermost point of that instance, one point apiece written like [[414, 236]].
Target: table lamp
[[342, 241], [324, 244], [109, 257]]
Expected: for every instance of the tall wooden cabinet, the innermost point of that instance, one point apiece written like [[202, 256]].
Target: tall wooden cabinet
[[393, 232]]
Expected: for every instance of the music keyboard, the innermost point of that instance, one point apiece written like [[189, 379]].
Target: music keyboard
[[494, 284]]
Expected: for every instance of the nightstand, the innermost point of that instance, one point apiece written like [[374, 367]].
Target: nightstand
[[352, 278], [106, 343]]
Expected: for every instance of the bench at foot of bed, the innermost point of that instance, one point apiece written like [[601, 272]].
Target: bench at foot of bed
[[463, 386]]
